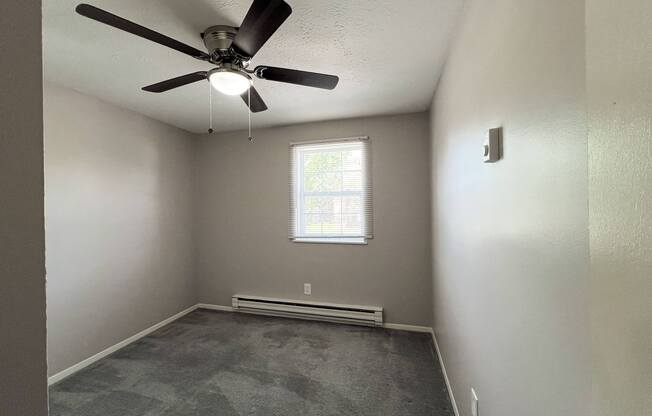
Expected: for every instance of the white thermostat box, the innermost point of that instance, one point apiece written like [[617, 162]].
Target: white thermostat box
[[493, 145]]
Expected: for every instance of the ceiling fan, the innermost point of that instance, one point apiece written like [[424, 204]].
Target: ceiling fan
[[230, 49]]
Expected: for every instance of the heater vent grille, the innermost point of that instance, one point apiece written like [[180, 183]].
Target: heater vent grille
[[321, 311]]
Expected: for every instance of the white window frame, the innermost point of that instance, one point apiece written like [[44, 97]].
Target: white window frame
[[297, 150]]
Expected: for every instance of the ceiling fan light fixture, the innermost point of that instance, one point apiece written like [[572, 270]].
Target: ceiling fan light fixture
[[229, 81], [230, 50]]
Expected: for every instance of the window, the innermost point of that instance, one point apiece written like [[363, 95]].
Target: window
[[330, 191]]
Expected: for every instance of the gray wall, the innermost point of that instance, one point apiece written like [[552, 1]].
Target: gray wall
[[242, 216], [119, 224], [23, 386], [619, 79], [511, 239]]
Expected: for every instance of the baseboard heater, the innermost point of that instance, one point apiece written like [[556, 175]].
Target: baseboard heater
[[320, 311]]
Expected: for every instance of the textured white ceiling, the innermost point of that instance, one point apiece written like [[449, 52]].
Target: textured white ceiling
[[387, 53]]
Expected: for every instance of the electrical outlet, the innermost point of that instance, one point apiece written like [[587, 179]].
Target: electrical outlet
[[474, 403], [307, 289]]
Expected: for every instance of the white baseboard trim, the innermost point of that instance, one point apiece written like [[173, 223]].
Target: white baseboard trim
[[90, 360], [443, 370], [410, 328], [215, 307], [399, 327]]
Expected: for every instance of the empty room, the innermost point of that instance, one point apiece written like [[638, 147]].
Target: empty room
[[326, 207]]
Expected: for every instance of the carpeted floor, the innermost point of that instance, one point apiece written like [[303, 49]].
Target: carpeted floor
[[222, 364]]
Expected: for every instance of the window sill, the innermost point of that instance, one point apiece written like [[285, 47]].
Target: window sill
[[353, 241]]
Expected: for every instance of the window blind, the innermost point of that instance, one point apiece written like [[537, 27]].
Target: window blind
[[331, 190]]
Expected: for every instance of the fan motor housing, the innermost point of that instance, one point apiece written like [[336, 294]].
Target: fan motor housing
[[228, 67], [219, 38]]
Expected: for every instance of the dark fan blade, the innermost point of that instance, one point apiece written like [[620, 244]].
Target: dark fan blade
[[176, 82], [257, 103], [100, 15], [292, 76], [263, 19]]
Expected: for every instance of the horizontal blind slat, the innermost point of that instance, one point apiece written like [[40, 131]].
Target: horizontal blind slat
[[292, 226], [368, 189], [367, 194]]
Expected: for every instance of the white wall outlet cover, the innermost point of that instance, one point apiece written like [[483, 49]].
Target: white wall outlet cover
[[474, 403], [307, 289], [492, 148]]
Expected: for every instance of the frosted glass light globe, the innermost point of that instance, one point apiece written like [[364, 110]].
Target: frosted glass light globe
[[230, 82]]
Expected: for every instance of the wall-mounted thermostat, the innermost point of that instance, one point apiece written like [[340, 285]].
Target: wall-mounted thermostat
[[493, 145]]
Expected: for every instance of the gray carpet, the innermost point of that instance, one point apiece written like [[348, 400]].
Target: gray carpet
[[222, 364]]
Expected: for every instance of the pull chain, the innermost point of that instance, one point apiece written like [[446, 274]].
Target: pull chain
[[210, 108], [251, 138]]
